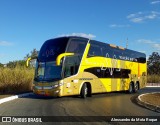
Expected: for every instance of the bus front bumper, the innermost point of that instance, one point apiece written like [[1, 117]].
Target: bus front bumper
[[46, 91]]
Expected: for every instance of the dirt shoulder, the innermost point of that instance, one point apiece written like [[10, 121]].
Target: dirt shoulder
[[150, 101], [5, 95], [151, 98]]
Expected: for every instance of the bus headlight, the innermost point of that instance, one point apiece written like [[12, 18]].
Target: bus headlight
[[55, 86], [61, 83]]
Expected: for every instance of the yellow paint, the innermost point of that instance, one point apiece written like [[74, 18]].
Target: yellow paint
[[27, 62], [58, 59], [99, 85], [107, 84]]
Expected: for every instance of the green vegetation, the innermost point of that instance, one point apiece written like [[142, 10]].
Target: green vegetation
[[34, 54], [153, 79], [14, 64], [153, 67], [18, 79], [153, 64], [1, 65]]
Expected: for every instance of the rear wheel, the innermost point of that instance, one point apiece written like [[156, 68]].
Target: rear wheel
[[136, 87], [84, 91]]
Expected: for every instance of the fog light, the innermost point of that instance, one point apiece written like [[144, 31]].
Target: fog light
[[57, 91]]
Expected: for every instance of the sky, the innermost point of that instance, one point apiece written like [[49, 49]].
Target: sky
[[27, 24]]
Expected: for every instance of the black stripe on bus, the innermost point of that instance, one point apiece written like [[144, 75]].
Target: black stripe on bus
[[109, 72]]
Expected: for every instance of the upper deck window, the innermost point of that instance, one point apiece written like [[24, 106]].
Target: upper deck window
[[76, 46], [52, 48]]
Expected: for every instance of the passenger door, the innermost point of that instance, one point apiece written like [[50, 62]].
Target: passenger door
[[71, 66]]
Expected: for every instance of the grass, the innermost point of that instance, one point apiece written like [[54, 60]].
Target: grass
[[153, 78], [15, 80]]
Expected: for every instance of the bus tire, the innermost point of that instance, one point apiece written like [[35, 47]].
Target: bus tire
[[136, 87], [84, 91], [89, 90], [131, 88]]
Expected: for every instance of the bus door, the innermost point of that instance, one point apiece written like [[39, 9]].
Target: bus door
[[71, 66]]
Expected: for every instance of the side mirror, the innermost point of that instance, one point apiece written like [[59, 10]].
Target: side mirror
[[28, 60], [58, 59]]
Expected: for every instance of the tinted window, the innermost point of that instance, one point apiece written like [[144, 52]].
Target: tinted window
[[95, 49], [52, 48], [107, 52], [141, 58], [109, 72], [76, 46], [117, 53], [71, 65]]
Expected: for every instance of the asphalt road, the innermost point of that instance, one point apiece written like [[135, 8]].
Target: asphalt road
[[108, 104]]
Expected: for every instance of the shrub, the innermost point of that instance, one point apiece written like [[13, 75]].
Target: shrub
[[153, 78], [15, 80]]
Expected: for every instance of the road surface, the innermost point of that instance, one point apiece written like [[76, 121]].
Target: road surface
[[108, 104]]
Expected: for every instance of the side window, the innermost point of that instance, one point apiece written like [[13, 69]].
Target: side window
[[117, 53], [95, 50], [76, 46], [71, 65], [141, 58]]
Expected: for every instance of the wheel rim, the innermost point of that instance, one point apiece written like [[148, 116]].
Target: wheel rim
[[130, 88], [136, 87], [85, 91]]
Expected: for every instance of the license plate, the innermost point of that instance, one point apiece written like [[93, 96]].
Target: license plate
[[42, 93]]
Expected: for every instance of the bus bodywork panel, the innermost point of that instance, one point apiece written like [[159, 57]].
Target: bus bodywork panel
[[110, 69], [104, 69]]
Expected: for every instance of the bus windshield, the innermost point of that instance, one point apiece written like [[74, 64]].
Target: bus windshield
[[48, 71]]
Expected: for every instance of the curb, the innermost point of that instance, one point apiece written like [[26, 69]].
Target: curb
[[14, 97], [148, 105], [153, 86]]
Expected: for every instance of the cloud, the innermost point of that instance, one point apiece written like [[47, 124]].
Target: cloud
[[151, 43], [157, 46], [143, 16], [5, 43], [2, 55], [118, 26], [145, 41], [90, 36], [155, 2]]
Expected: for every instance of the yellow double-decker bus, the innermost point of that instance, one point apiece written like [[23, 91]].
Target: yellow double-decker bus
[[79, 66]]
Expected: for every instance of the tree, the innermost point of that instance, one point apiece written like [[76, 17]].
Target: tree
[[154, 63], [1, 65], [33, 54]]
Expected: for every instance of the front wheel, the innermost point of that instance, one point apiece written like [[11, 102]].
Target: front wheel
[[84, 91], [130, 90]]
